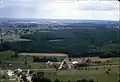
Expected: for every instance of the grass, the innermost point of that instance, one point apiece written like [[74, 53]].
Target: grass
[[99, 75], [73, 75], [65, 75], [12, 38]]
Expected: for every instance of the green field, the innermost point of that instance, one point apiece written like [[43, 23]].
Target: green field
[[66, 75], [73, 75], [99, 75]]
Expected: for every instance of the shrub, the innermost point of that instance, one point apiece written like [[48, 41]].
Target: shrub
[[57, 80]]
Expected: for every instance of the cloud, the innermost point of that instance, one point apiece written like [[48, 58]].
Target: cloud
[[60, 9], [100, 5]]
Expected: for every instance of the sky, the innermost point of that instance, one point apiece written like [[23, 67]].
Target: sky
[[60, 9]]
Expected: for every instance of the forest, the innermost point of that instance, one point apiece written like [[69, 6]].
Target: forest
[[74, 42]]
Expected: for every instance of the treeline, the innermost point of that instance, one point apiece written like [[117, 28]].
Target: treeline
[[57, 80], [74, 42]]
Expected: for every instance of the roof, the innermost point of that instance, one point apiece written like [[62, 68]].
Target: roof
[[44, 54], [74, 62]]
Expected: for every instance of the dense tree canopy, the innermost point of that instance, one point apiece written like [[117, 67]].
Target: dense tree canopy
[[75, 42]]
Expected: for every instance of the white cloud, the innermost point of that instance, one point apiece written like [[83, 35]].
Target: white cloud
[[100, 5], [60, 9]]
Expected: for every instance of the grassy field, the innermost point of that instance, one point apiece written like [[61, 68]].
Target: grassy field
[[73, 75], [12, 38], [99, 75], [66, 75]]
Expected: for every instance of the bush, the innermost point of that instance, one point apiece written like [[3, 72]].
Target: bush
[[57, 80], [84, 80], [91, 80]]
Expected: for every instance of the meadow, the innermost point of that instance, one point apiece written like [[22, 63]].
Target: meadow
[[65, 75]]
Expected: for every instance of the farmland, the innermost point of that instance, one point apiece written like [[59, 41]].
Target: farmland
[[99, 75], [71, 74], [96, 51]]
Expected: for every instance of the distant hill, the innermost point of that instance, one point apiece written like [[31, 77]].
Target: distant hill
[[23, 23]]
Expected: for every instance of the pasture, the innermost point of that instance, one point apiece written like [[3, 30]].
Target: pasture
[[99, 75], [73, 75], [65, 75]]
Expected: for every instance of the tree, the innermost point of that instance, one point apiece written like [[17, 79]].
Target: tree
[[1, 40], [39, 77], [34, 78], [78, 81], [15, 54], [44, 79], [25, 62], [83, 80], [3, 47], [24, 78], [92, 40], [91, 80], [0, 61], [57, 80], [40, 74]]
